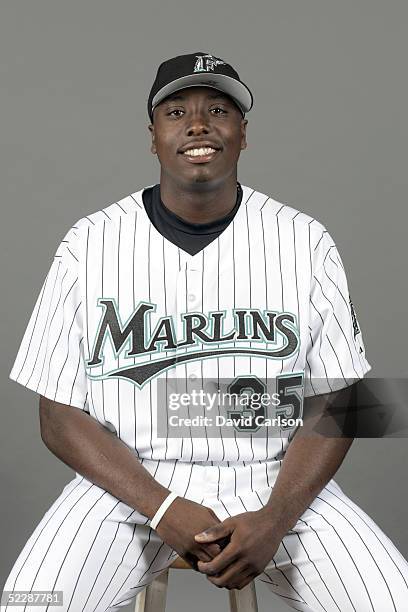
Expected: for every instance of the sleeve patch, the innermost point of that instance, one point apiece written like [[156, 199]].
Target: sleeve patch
[[354, 319]]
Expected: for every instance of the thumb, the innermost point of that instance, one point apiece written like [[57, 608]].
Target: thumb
[[214, 533]]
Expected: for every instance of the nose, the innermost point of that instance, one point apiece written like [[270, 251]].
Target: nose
[[198, 124]]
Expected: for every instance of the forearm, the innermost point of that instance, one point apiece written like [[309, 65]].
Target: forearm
[[309, 463], [313, 456], [93, 451]]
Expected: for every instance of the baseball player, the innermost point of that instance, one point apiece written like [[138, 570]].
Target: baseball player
[[197, 278]]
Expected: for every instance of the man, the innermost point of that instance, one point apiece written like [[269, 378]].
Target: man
[[198, 278]]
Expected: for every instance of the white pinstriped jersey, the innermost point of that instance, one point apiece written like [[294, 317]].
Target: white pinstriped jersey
[[122, 307]]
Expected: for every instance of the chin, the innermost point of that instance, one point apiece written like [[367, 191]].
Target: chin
[[202, 183], [201, 178]]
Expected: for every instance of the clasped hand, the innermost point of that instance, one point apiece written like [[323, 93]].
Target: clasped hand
[[252, 544], [232, 552]]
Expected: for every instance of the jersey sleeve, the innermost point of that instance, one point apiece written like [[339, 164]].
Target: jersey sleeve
[[335, 356], [50, 358]]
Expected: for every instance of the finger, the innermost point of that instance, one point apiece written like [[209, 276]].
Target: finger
[[216, 532], [244, 582], [203, 555], [232, 576], [223, 542], [227, 556], [211, 550], [206, 554]]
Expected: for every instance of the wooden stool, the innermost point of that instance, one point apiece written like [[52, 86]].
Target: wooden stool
[[153, 597]]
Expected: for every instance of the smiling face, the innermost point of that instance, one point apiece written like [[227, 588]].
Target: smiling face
[[198, 134]]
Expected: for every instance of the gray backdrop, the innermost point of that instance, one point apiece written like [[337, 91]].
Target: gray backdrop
[[327, 134]]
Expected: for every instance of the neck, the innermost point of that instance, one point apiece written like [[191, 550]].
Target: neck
[[199, 204]]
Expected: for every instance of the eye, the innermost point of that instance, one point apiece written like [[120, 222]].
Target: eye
[[219, 108], [175, 110]]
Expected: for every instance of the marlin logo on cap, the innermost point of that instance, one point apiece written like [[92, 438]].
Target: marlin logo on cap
[[205, 63]]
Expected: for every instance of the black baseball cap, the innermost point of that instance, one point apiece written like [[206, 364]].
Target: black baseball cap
[[194, 70]]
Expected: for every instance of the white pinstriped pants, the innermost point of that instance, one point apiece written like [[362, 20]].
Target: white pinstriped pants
[[101, 553]]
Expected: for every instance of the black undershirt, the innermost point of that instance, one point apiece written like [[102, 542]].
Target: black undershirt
[[190, 237]]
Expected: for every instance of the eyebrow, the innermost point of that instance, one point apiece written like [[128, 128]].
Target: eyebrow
[[211, 96]]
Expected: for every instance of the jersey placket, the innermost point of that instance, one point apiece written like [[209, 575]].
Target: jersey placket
[[188, 300]]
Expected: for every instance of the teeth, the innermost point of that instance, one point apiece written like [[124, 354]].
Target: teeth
[[199, 152]]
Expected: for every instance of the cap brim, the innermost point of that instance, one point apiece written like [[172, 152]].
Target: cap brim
[[236, 89]]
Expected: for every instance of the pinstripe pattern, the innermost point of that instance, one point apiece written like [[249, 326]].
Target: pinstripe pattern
[[294, 268], [271, 257], [101, 552]]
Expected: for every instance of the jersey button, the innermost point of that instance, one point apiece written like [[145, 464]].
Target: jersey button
[[191, 297], [192, 377]]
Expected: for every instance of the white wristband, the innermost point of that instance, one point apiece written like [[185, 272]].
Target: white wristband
[[162, 509]]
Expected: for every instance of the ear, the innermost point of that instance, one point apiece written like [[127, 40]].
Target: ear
[[244, 123], [153, 145]]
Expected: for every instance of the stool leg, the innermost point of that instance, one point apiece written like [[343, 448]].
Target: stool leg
[[153, 597], [140, 601], [243, 600]]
